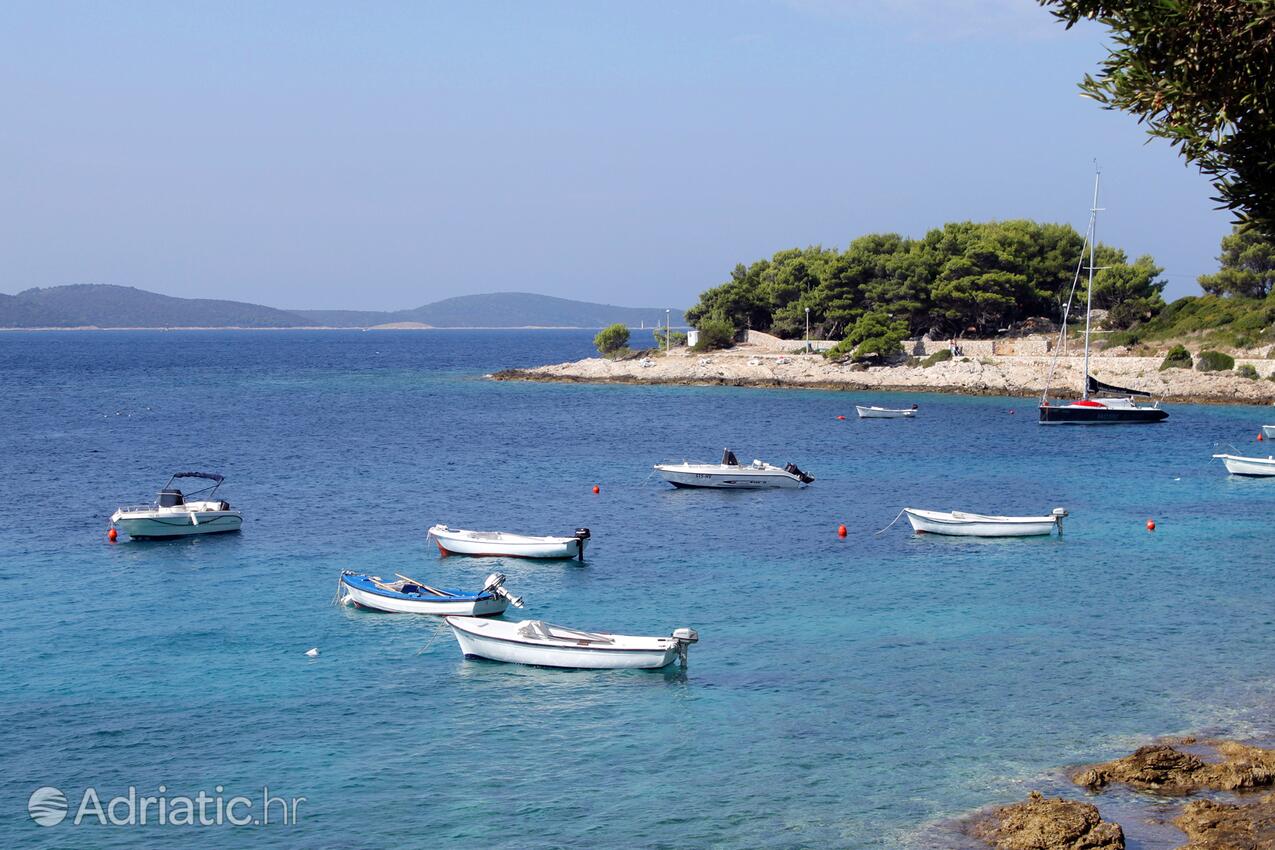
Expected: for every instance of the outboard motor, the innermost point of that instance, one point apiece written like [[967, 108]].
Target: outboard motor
[[728, 458], [495, 586], [581, 535], [1058, 514], [803, 477], [684, 637]]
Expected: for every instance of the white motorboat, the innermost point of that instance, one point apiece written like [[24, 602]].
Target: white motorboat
[[409, 596], [175, 514], [1268, 432], [962, 524], [874, 412], [542, 644], [729, 474], [1258, 467], [495, 544]]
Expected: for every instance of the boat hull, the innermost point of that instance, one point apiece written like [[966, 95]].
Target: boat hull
[[575, 658], [566, 547], [927, 523], [1253, 467], [182, 524], [394, 603], [1268, 431], [1065, 414], [883, 413], [742, 478]]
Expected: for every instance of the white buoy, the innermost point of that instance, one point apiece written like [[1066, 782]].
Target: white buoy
[[313, 653]]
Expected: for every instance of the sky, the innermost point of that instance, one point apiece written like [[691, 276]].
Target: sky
[[385, 155]]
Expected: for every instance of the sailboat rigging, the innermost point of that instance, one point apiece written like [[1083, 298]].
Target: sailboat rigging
[[1120, 410]]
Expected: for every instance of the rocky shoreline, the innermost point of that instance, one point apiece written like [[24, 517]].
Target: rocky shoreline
[[1007, 375], [1223, 787]]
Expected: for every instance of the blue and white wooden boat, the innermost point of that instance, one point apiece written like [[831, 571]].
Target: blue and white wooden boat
[[408, 596]]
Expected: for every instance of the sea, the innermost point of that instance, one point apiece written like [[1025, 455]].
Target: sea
[[864, 691]]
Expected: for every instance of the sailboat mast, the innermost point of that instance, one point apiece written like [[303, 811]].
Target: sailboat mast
[[1093, 238]]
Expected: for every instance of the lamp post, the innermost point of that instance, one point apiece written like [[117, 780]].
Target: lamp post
[[668, 331], [807, 329]]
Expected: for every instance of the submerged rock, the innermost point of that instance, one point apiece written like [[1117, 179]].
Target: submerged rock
[[1210, 825], [1164, 767], [1039, 823]]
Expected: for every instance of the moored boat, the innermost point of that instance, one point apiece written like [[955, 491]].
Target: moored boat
[[409, 596], [730, 475], [874, 412], [542, 644], [176, 514], [1268, 432], [496, 544], [962, 524], [1256, 467]]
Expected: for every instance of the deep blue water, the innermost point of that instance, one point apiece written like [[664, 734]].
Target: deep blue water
[[845, 693]]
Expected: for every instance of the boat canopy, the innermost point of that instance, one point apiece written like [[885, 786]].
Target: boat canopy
[[728, 458], [1096, 386], [211, 476]]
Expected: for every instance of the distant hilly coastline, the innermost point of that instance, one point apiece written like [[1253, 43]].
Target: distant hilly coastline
[[107, 306]]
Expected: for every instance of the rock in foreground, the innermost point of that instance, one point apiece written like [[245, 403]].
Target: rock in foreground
[[1039, 823], [1212, 825], [1165, 768]]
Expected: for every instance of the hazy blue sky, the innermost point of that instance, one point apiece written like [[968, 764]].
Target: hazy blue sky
[[384, 155]]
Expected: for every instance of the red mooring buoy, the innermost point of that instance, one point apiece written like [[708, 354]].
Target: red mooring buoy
[[841, 531], [841, 419], [596, 489], [1150, 525], [1260, 437], [112, 534]]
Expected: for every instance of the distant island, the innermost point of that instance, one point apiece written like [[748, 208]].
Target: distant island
[[107, 306]]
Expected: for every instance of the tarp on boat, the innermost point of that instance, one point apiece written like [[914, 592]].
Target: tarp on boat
[[211, 476], [1097, 386]]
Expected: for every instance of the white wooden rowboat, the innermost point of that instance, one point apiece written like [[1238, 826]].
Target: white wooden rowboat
[[1259, 467], [542, 644], [459, 541], [961, 524], [874, 412]]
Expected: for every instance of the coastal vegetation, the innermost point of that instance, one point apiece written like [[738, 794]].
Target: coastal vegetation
[[1196, 73], [1177, 358], [714, 333], [1214, 361], [962, 279], [1248, 370], [612, 339]]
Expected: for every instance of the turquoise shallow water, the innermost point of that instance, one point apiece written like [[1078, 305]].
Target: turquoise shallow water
[[845, 693]]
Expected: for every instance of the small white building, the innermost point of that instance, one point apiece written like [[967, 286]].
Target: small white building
[[692, 336]]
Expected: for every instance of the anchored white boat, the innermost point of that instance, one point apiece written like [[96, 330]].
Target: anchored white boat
[[874, 412], [961, 524], [175, 514], [494, 544], [409, 596], [542, 644], [730, 475], [1258, 467]]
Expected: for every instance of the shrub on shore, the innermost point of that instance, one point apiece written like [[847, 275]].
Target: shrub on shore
[[1177, 358], [1247, 371], [611, 339], [714, 334], [1214, 361], [874, 335], [939, 356], [661, 343]]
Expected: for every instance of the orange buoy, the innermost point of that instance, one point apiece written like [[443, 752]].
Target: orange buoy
[[112, 534], [841, 531], [596, 489], [1260, 437], [1150, 525], [841, 419]]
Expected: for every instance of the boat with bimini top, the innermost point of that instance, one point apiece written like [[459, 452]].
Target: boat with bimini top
[[176, 514]]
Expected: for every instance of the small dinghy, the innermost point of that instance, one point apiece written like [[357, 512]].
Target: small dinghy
[[408, 596], [542, 644], [497, 544], [874, 412], [1268, 432], [1255, 467], [961, 524], [731, 476], [176, 514]]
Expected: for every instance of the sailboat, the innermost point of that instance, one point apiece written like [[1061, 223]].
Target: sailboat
[[1117, 407]]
